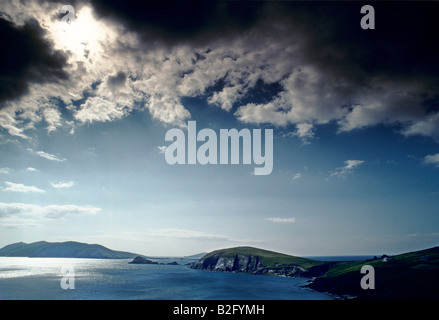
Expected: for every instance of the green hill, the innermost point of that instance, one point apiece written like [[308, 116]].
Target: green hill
[[412, 275], [255, 260], [69, 249]]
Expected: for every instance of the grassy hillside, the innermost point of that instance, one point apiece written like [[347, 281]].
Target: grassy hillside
[[267, 259], [422, 260]]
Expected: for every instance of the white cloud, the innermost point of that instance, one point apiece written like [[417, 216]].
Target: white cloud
[[308, 96], [161, 149], [428, 126], [62, 185], [23, 214], [99, 109], [30, 169], [10, 123], [349, 166], [304, 131], [18, 187], [47, 156], [185, 234], [281, 220], [432, 159], [188, 234], [5, 170], [297, 176], [53, 118]]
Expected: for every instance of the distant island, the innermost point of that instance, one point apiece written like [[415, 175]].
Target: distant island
[[68, 249], [143, 260]]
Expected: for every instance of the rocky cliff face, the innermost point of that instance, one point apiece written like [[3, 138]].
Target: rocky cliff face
[[244, 263]]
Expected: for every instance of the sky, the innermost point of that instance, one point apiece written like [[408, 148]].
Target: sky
[[87, 97]]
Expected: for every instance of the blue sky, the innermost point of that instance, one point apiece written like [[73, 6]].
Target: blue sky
[[82, 132]]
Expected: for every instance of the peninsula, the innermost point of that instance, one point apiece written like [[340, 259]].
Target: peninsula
[[412, 275]]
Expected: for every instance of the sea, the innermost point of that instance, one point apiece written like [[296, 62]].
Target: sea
[[116, 279]]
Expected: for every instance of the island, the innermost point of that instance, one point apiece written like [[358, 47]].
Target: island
[[143, 260], [68, 249]]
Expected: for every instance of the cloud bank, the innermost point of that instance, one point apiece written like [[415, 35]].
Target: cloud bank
[[23, 214], [265, 63]]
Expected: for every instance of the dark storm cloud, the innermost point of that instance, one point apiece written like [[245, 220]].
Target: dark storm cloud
[[323, 65], [403, 45], [26, 57], [329, 68], [402, 49], [179, 21], [117, 80]]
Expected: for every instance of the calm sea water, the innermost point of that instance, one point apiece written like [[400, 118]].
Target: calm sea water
[[40, 279]]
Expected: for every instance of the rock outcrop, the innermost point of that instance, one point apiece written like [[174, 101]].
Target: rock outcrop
[[142, 260]]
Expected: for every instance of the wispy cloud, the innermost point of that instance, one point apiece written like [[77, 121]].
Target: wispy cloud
[[197, 235], [281, 220], [5, 170], [297, 176], [59, 211], [23, 213], [18, 187], [62, 185], [304, 131], [47, 156], [161, 149], [30, 169], [349, 166], [432, 159], [189, 234], [424, 235]]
